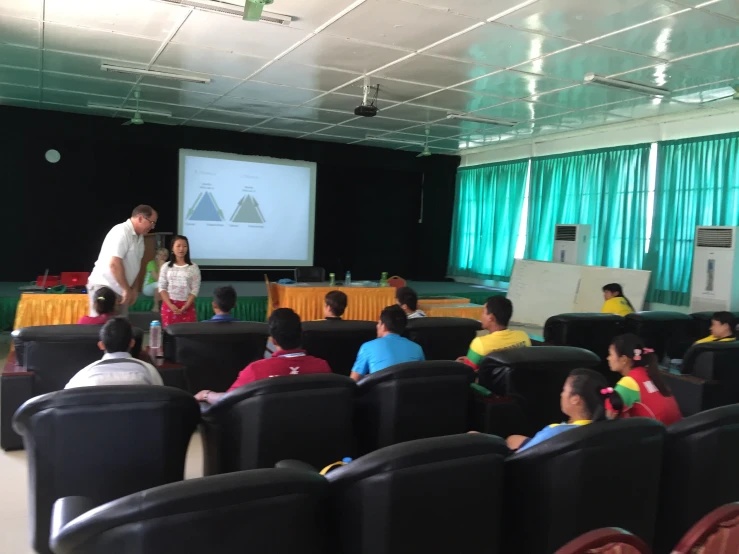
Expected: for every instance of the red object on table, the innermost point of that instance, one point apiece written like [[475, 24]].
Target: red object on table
[[74, 278], [51, 281]]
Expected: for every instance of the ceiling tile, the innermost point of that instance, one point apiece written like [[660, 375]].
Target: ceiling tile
[[20, 103], [584, 96], [87, 66], [245, 105], [447, 144], [342, 102], [340, 53], [586, 19], [436, 130], [514, 84], [276, 132], [478, 9], [468, 127], [476, 140], [684, 34], [723, 62], [375, 124], [158, 120], [57, 107], [18, 56], [306, 15], [728, 8], [435, 71], [294, 125], [410, 27], [327, 138], [233, 118], [142, 18], [19, 93], [218, 85], [18, 76], [390, 89], [232, 34], [98, 43], [573, 64], [21, 8], [305, 76], [521, 110], [347, 133], [535, 129], [81, 99], [584, 118], [20, 32], [318, 116], [174, 96], [208, 61], [75, 83], [647, 107], [419, 139], [216, 125], [185, 112], [673, 76], [498, 45], [273, 93], [459, 101], [411, 112]]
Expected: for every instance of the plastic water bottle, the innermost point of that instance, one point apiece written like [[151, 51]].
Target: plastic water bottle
[[346, 460], [155, 339], [348, 278]]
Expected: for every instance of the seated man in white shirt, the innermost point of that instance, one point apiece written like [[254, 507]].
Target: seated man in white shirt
[[117, 367]]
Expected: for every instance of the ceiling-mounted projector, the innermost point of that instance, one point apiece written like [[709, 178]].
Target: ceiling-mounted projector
[[253, 9], [368, 107]]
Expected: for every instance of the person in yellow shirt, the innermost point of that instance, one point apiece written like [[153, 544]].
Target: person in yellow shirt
[[723, 328], [616, 302], [496, 314]]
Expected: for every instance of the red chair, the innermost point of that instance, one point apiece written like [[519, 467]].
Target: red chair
[[610, 540], [396, 282], [716, 533]]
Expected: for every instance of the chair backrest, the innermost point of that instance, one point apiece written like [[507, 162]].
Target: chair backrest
[[55, 353], [442, 338], [337, 341], [280, 511], [534, 378], [300, 417], [667, 333], [396, 281], [610, 540], [699, 471], [701, 327], [410, 401], [714, 361], [431, 496], [716, 533], [597, 475], [214, 354], [310, 274], [103, 443]]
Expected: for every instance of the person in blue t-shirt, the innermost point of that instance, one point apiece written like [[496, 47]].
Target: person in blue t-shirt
[[389, 348], [224, 300]]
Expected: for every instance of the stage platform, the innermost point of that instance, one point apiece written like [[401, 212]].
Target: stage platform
[[252, 301]]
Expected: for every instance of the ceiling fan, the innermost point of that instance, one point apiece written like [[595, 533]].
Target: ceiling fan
[[426, 151], [735, 96], [136, 119]]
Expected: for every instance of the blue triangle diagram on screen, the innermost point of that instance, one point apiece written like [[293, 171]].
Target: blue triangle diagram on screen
[[247, 211], [205, 209]]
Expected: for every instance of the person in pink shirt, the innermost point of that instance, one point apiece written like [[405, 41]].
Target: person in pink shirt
[[106, 302]]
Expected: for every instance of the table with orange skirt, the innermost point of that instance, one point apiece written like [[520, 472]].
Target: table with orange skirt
[[363, 303], [50, 309]]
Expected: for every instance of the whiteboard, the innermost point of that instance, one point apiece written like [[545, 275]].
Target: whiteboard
[[539, 290]]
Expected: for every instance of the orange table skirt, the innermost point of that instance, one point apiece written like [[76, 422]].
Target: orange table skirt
[[472, 311], [364, 303], [50, 309]]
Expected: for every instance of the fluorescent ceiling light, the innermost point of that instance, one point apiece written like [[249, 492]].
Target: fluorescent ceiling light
[[152, 73], [399, 141], [486, 120], [130, 110], [625, 85], [236, 9]]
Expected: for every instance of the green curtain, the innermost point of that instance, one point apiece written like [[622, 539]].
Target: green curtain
[[487, 215], [697, 184], [607, 189]]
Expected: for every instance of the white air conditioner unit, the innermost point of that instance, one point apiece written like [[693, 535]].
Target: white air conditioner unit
[[571, 243], [715, 283]]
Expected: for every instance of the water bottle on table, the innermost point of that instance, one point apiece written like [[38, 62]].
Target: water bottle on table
[[348, 278], [155, 339]]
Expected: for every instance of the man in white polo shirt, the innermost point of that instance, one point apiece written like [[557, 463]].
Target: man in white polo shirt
[[120, 257]]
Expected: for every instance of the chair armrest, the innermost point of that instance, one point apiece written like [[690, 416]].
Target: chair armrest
[[66, 509], [295, 464]]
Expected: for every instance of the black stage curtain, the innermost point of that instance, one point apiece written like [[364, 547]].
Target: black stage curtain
[[368, 200]]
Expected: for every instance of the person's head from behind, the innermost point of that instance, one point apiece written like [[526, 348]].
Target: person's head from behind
[[583, 395], [144, 219], [392, 321], [612, 290], [629, 351], [285, 329], [105, 301], [723, 325], [116, 336], [334, 304], [407, 299], [497, 313], [162, 255], [180, 250], [224, 299]]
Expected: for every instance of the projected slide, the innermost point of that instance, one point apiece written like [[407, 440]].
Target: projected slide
[[247, 210]]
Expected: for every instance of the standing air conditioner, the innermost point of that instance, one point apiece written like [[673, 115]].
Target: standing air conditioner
[[571, 243], [715, 283]]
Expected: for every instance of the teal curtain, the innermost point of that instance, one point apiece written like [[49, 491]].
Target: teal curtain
[[607, 189], [697, 184], [487, 216]]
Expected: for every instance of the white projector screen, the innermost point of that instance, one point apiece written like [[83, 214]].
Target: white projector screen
[[247, 210]]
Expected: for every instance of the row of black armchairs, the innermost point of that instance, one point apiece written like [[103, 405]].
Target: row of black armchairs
[[462, 493]]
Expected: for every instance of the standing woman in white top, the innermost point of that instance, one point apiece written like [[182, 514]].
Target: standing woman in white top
[[179, 284]]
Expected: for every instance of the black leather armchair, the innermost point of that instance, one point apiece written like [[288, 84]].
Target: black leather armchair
[[533, 379], [279, 511], [442, 338], [50, 356], [410, 401], [698, 473], [214, 353], [701, 327], [305, 417], [102, 443], [710, 377], [337, 341], [668, 333], [598, 475], [311, 274]]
